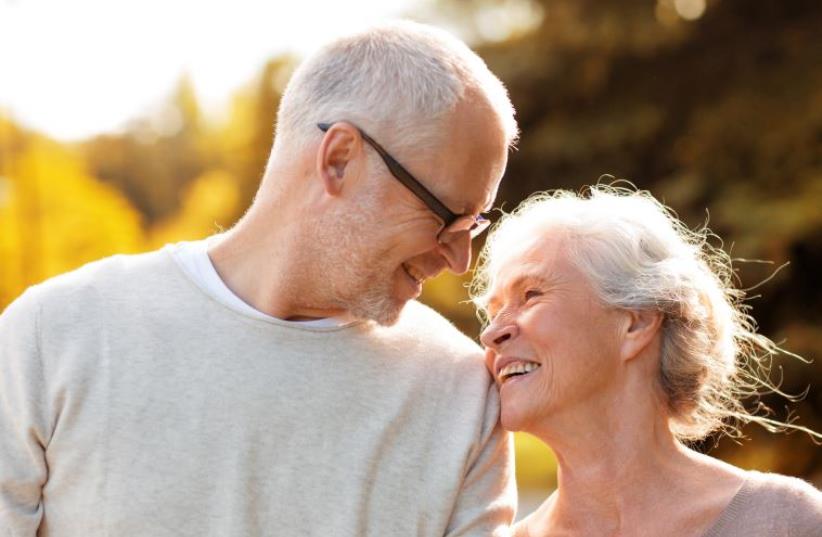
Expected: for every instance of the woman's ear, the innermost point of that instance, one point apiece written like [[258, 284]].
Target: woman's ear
[[641, 328], [340, 145]]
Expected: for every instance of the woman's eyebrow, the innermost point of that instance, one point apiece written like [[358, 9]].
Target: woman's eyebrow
[[530, 278], [519, 281], [491, 306]]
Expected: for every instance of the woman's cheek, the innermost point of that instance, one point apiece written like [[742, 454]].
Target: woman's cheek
[[489, 361]]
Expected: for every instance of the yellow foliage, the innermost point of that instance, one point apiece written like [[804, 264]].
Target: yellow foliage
[[208, 204], [54, 216], [536, 463]]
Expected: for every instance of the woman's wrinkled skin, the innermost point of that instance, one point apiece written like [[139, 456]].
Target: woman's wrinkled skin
[[593, 398]]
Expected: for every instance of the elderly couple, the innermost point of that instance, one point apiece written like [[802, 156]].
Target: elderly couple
[[279, 378]]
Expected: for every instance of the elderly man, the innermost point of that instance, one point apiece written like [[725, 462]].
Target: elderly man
[[279, 379]]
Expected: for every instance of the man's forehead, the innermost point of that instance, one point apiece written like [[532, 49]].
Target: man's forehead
[[491, 197], [473, 198], [471, 160]]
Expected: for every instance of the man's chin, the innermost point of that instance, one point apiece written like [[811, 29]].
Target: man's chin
[[386, 312]]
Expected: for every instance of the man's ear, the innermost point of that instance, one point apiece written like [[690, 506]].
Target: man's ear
[[639, 331], [340, 145]]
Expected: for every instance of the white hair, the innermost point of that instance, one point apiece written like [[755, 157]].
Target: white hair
[[396, 81], [638, 256]]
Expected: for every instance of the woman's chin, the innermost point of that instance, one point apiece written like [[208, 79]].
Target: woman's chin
[[513, 419]]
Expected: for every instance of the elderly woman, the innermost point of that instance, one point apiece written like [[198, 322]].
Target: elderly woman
[[615, 337]]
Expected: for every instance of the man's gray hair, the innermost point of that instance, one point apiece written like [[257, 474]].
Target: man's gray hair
[[396, 81]]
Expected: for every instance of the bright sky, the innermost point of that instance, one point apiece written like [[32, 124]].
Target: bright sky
[[73, 68]]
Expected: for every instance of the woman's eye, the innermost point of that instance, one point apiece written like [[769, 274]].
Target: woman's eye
[[532, 293]]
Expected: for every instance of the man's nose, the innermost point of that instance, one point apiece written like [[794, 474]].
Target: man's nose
[[498, 333], [457, 252]]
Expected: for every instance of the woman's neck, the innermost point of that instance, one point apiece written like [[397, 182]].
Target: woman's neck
[[620, 472]]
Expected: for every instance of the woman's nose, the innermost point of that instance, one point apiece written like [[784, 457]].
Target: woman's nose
[[498, 333]]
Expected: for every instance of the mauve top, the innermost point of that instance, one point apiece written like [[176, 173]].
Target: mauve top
[[771, 505]]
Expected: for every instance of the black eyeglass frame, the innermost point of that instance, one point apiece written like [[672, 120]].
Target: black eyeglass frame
[[448, 217]]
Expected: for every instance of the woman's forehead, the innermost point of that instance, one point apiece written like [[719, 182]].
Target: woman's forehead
[[534, 257], [539, 261]]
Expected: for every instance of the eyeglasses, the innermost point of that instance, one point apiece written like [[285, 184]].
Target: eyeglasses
[[452, 224]]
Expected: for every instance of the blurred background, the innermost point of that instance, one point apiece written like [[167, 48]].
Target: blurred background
[[127, 125]]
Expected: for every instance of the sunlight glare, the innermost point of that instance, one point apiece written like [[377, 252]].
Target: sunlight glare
[[73, 69]]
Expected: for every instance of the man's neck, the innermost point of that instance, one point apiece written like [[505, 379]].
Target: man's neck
[[261, 262]]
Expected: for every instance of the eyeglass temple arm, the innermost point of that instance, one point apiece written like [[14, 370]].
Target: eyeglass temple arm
[[405, 177]]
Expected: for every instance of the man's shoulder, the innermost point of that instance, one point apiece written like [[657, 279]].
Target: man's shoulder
[[419, 316], [122, 272], [431, 331]]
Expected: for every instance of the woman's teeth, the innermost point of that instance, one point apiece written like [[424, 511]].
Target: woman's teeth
[[516, 368]]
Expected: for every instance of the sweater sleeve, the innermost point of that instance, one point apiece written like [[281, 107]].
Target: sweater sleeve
[[488, 497], [23, 422]]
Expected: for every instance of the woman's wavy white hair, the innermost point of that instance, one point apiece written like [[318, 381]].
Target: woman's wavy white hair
[[638, 255], [398, 81]]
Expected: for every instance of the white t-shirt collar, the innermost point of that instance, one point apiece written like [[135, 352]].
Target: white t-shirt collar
[[193, 258]]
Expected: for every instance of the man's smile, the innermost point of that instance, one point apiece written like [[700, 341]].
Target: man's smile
[[415, 274]]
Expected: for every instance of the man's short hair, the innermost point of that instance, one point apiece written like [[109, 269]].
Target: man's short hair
[[398, 81]]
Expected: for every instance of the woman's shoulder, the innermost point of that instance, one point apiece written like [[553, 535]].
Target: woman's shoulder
[[783, 489], [773, 504]]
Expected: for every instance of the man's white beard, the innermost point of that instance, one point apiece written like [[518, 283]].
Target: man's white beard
[[360, 278], [364, 283], [375, 301]]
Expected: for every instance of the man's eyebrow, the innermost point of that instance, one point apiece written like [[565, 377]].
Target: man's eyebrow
[[482, 210], [470, 210]]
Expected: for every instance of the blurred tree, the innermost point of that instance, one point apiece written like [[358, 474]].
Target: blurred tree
[[54, 216], [209, 205], [243, 142], [153, 160], [714, 106]]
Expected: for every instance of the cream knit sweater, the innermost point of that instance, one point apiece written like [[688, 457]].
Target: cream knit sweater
[[133, 403]]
